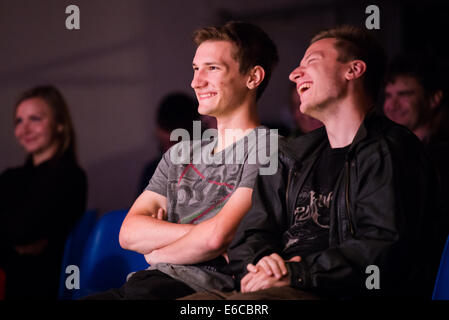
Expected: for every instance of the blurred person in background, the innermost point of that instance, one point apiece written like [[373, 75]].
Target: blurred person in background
[[41, 200], [176, 110], [415, 96]]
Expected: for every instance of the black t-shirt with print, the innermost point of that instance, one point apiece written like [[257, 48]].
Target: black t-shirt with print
[[310, 230]]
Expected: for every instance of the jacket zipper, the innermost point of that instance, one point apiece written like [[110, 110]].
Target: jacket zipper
[[288, 186], [348, 213]]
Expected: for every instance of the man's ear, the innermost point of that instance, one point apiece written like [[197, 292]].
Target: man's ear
[[255, 78], [435, 99], [356, 69]]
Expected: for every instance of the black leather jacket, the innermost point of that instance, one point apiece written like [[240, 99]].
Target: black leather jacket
[[384, 200]]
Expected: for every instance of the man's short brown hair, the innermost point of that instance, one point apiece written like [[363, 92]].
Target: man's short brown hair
[[356, 43], [254, 46]]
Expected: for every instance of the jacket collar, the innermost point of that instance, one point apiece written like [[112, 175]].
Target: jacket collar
[[362, 132], [309, 145]]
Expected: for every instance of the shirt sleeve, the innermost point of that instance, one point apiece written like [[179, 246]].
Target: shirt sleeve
[[159, 180], [262, 157]]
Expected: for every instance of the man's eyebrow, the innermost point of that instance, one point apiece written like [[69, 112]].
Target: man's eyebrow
[[208, 63], [311, 54], [319, 53], [222, 65]]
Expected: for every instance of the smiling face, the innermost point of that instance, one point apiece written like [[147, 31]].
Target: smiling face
[[405, 102], [320, 77], [35, 128], [219, 86]]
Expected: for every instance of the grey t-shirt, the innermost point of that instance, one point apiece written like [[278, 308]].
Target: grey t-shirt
[[199, 187]]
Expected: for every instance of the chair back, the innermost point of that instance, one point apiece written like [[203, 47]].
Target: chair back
[[74, 248], [105, 263]]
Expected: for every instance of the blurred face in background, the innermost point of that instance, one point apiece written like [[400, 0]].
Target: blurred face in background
[[35, 128], [405, 102]]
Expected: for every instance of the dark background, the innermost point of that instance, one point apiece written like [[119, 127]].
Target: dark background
[[129, 54]]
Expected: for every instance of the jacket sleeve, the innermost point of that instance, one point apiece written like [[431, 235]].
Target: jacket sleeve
[[388, 195], [260, 232]]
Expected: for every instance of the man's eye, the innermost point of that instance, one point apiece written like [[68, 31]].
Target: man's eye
[[213, 68]]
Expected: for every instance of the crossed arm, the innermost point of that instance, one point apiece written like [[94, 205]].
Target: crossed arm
[[162, 241], [142, 231]]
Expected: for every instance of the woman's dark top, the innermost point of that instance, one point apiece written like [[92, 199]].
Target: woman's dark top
[[36, 203]]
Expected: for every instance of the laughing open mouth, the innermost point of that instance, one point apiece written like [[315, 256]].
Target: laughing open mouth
[[304, 87]]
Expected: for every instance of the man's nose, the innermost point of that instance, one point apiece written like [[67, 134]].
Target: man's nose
[[391, 103], [198, 80], [296, 74]]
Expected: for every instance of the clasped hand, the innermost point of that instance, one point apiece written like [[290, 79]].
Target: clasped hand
[[270, 271]]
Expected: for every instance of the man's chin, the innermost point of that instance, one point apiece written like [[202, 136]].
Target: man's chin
[[400, 120], [206, 111], [203, 110], [306, 109]]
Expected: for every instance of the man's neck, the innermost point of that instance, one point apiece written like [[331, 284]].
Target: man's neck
[[235, 126], [344, 120]]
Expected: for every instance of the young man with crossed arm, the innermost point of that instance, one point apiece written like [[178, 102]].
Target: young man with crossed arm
[[187, 216]]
